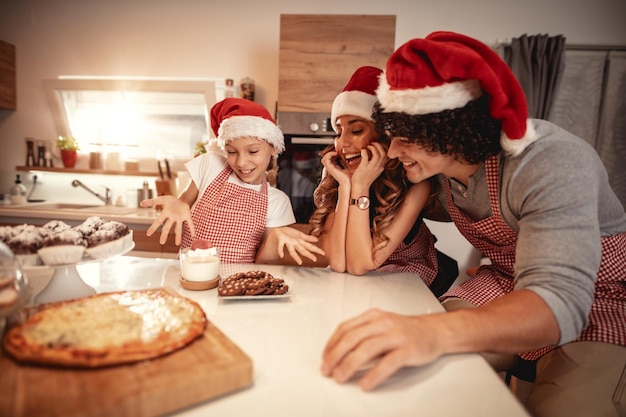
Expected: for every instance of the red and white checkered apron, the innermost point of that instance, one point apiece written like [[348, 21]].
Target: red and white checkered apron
[[419, 256], [232, 217], [495, 240]]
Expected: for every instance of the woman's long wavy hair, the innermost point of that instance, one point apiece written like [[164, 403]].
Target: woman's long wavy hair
[[389, 191]]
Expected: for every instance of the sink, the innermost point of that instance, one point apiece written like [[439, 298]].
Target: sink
[[85, 208], [108, 210], [58, 206]]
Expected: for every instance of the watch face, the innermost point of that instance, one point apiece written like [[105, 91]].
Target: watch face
[[363, 203]]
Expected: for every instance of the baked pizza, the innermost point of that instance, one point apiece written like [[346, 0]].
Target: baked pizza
[[107, 329]]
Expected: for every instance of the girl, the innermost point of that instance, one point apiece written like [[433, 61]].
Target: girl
[[229, 201]]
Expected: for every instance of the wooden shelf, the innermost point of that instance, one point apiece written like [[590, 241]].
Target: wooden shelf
[[88, 171]]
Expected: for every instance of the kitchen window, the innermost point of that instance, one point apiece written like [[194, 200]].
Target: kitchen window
[[139, 119]]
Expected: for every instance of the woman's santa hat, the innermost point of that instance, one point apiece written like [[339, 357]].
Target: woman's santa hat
[[358, 96], [234, 118], [445, 71]]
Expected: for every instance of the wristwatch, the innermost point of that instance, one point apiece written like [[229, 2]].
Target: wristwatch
[[362, 202]]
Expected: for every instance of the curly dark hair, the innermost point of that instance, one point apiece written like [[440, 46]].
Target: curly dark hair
[[469, 132], [389, 191]]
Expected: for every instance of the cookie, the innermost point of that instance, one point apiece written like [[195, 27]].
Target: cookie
[[252, 283], [255, 291], [281, 289], [229, 289]]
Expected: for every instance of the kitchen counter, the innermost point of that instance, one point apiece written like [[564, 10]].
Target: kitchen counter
[[285, 337], [40, 213], [137, 219]]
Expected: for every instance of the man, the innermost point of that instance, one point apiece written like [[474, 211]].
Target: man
[[532, 198]]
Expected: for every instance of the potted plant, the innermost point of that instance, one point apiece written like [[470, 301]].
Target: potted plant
[[69, 150]]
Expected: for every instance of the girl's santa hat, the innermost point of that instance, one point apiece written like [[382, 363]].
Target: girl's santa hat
[[445, 71], [358, 96], [234, 118]]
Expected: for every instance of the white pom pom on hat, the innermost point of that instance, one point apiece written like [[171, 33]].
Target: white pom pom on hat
[[234, 118], [358, 96], [445, 71]]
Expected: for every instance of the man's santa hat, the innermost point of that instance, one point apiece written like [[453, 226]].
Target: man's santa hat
[[358, 96], [234, 118], [445, 71]]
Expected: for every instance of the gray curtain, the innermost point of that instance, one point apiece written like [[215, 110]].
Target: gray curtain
[[536, 61], [578, 100], [581, 89], [591, 103], [612, 130]]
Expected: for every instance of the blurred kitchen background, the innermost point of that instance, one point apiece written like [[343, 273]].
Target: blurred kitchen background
[[204, 40], [202, 43]]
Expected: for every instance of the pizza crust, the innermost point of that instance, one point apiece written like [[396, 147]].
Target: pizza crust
[[107, 329]]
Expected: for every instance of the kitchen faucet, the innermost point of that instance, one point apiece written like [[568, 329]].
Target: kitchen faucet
[[106, 198]]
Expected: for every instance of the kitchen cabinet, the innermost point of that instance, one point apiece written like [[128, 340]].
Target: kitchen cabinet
[[8, 90], [319, 53]]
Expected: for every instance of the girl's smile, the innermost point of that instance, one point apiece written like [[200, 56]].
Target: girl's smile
[[249, 158]]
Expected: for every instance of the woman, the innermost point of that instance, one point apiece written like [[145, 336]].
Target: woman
[[368, 214]]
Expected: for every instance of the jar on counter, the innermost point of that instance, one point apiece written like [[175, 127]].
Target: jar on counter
[[229, 89], [15, 292], [18, 192], [247, 88]]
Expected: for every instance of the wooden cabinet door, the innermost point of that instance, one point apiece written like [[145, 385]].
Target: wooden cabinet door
[[8, 91], [319, 53]]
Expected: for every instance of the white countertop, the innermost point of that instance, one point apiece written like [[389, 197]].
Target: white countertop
[[285, 339], [26, 213]]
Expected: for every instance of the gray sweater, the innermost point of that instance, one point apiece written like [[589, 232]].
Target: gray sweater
[[556, 195]]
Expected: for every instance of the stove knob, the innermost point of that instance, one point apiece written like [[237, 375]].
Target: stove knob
[[314, 127]]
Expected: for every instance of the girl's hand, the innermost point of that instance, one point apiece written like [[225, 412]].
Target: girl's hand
[[297, 244], [174, 213], [338, 172]]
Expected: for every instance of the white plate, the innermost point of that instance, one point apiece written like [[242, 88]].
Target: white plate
[[255, 297]]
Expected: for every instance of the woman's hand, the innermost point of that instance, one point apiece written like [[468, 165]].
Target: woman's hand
[[391, 340], [174, 213], [297, 244], [373, 160], [339, 173]]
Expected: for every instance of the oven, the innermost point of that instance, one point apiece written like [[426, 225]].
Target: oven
[[300, 168]]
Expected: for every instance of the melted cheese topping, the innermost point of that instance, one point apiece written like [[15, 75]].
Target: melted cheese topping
[[115, 320]]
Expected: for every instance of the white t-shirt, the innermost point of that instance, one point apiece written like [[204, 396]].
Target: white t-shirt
[[203, 169]]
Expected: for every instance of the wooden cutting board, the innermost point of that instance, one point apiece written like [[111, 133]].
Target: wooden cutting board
[[211, 366]]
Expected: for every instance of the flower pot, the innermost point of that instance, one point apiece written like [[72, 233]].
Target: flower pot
[[69, 158]]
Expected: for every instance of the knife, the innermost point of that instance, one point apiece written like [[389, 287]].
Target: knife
[[167, 169], [160, 169]]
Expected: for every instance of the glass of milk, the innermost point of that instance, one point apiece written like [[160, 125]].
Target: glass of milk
[[199, 265]]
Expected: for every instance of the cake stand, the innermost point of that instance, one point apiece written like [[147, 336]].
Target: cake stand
[[66, 283]]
